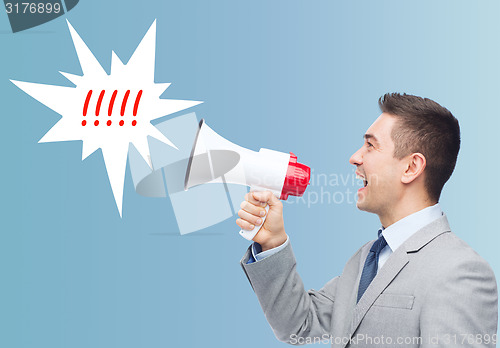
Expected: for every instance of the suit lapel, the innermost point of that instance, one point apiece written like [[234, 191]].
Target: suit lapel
[[394, 264]]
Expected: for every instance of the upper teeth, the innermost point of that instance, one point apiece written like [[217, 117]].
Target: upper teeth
[[362, 178]]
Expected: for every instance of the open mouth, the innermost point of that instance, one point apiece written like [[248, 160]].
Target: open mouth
[[361, 177]]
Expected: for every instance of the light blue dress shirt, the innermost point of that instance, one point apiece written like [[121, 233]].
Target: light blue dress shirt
[[395, 235]]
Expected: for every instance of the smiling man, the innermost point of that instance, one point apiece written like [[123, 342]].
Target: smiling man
[[417, 284]]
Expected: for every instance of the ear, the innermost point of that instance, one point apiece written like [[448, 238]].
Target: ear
[[414, 167]]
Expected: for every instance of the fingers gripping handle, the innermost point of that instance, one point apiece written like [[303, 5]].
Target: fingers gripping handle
[[251, 234]]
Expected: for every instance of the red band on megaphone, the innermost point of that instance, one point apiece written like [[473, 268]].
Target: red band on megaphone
[[297, 178]]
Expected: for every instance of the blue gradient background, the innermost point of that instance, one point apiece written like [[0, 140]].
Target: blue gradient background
[[301, 76]]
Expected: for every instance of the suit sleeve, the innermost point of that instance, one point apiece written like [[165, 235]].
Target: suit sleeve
[[292, 312], [461, 310]]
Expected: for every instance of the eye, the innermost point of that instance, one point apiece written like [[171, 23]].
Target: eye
[[369, 144]]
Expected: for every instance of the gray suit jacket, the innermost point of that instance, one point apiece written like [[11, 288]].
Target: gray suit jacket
[[433, 291]]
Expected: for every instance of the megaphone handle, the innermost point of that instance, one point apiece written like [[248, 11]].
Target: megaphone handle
[[251, 234]]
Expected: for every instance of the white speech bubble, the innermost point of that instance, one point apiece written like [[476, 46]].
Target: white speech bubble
[[109, 111]]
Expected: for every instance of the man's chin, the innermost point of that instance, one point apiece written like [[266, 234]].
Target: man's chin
[[360, 206], [363, 206], [362, 203]]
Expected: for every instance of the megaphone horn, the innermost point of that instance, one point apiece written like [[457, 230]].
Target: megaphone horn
[[215, 159]]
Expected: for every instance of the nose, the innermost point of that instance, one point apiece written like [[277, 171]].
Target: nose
[[357, 158]]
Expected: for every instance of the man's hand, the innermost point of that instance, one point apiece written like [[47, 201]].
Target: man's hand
[[272, 233]]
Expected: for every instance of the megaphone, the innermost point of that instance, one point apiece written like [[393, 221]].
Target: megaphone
[[217, 160]]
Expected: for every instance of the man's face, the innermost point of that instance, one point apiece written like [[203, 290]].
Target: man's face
[[381, 172]]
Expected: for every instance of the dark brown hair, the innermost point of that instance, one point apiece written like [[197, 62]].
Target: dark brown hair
[[426, 127]]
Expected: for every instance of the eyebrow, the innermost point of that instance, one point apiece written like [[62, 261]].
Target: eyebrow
[[369, 136]]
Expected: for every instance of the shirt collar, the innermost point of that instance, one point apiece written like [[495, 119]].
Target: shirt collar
[[397, 233]]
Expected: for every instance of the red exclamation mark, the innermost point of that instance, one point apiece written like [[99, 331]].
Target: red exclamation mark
[[110, 108], [86, 106], [98, 107], [124, 104], [136, 106]]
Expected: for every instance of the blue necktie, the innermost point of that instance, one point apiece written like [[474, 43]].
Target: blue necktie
[[371, 264]]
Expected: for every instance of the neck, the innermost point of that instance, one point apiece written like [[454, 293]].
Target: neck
[[402, 209]]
